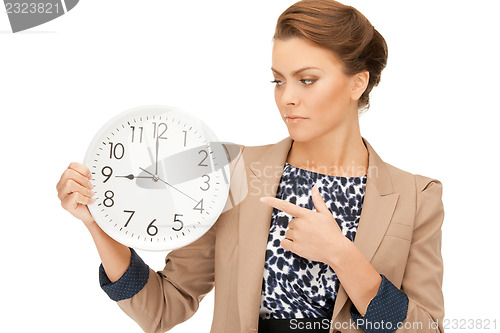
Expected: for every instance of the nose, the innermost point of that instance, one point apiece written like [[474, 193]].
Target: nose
[[288, 95]]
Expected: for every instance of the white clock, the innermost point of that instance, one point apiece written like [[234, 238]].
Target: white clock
[[160, 176]]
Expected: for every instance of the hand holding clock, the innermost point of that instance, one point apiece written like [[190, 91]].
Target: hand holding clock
[[74, 189]]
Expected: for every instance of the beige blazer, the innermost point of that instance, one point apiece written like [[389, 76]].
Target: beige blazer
[[399, 232]]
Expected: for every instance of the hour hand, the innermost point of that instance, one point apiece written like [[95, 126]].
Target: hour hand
[[132, 177], [143, 180]]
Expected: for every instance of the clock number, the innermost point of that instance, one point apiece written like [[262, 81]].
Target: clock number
[[129, 211], [154, 130], [201, 206], [152, 227], [133, 131], [108, 198], [185, 136], [206, 155], [176, 220], [112, 151], [107, 175], [206, 182]]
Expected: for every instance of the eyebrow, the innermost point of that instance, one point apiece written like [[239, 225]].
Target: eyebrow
[[297, 71]]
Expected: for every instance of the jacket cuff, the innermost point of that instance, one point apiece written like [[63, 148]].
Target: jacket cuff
[[130, 283], [386, 310]]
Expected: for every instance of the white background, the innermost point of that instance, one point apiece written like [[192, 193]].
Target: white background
[[435, 113]]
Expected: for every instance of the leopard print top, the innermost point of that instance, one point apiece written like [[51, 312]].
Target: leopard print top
[[293, 286]]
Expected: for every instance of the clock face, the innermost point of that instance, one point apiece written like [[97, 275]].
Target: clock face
[[161, 180]]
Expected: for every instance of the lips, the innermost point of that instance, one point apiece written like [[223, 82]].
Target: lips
[[294, 119]]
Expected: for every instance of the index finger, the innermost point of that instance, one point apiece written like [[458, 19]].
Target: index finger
[[81, 168], [286, 206]]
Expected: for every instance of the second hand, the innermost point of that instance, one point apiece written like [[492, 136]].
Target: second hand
[[154, 176]]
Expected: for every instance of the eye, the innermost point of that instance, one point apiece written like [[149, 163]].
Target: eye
[[277, 82], [309, 80]]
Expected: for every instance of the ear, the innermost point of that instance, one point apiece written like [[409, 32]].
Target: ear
[[359, 84]]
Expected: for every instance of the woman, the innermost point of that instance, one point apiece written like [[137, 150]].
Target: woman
[[360, 251]]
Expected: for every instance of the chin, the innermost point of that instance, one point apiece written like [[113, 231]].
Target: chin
[[300, 136]]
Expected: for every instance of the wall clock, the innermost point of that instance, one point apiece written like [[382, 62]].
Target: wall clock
[[160, 176]]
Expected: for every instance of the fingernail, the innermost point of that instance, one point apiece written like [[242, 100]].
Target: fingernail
[[263, 199], [91, 193], [315, 190], [90, 185]]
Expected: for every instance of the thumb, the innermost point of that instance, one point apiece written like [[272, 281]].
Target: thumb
[[318, 201]]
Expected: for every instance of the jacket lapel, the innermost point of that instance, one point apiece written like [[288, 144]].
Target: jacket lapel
[[264, 175]]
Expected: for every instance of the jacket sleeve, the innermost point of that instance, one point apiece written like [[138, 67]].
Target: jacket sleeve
[[423, 278], [130, 283], [172, 295], [419, 305], [390, 306]]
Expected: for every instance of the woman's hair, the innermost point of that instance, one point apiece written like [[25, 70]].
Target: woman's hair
[[341, 29]]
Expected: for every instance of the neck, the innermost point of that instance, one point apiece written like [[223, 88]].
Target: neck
[[336, 153]]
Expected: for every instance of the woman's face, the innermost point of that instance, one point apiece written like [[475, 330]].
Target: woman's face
[[323, 95]]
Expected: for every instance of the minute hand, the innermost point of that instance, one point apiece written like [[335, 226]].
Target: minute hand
[[156, 161], [170, 185]]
